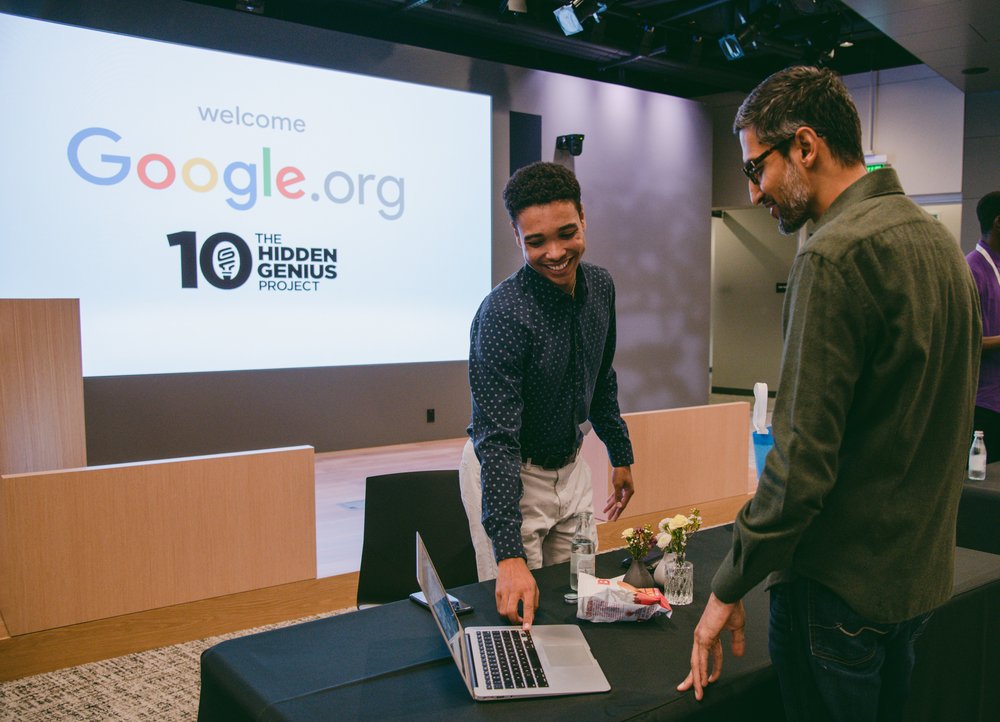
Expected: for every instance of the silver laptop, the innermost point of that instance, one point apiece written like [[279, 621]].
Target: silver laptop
[[505, 661]]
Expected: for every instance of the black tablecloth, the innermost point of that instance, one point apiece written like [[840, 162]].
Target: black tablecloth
[[979, 512], [389, 662]]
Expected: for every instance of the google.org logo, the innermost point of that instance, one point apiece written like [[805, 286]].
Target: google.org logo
[[245, 181]]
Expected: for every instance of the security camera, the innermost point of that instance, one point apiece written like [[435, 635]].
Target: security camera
[[572, 143]]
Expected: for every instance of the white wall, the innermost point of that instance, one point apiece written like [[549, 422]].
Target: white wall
[[646, 186], [750, 258], [950, 215], [918, 124]]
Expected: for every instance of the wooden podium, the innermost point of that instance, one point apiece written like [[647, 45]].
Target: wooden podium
[[80, 543], [41, 386], [683, 457]]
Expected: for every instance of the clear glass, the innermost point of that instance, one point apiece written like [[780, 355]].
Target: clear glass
[[977, 458], [582, 547], [680, 584]]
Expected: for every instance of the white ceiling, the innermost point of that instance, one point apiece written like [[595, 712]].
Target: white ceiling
[[948, 36]]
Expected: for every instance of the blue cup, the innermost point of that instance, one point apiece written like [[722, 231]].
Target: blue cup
[[762, 443]]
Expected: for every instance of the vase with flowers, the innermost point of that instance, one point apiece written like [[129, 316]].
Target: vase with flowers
[[639, 541], [673, 539]]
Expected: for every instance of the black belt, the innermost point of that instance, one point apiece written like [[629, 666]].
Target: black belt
[[551, 462]]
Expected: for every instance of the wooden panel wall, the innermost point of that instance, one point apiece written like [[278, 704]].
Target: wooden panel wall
[[682, 457], [84, 544], [41, 386]]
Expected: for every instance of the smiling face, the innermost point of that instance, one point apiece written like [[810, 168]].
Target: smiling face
[[552, 241], [782, 189]]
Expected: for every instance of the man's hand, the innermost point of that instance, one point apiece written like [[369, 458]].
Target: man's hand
[[515, 583], [621, 480], [716, 617]]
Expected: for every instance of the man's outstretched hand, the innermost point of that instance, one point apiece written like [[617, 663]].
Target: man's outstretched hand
[[716, 617], [515, 583]]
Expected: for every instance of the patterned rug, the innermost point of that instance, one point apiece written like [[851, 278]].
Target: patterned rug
[[161, 684]]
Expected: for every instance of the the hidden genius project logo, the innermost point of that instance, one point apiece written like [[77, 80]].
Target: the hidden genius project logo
[[224, 260]]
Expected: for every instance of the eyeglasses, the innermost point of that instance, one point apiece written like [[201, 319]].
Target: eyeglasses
[[751, 169]]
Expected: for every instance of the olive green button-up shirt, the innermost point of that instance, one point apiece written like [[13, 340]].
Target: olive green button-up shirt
[[873, 416]]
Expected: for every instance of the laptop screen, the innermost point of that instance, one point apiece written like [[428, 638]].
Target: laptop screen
[[437, 600]]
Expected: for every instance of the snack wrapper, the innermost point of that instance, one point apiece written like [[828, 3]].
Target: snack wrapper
[[612, 600]]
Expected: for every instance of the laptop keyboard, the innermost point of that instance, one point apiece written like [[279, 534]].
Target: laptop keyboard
[[510, 659]]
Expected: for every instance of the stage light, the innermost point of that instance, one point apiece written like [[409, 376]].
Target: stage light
[[251, 6], [732, 48], [646, 40], [567, 20], [735, 45], [571, 16]]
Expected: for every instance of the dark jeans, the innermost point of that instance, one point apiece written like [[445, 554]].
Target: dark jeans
[[834, 664], [989, 423]]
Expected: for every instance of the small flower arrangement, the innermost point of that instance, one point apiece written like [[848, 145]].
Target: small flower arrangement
[[675, 532], [639, 541]]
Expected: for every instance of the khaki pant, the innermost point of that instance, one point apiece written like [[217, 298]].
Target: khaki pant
[[548, 502]]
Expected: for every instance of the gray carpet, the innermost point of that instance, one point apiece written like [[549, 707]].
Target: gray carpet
[[161, 684]]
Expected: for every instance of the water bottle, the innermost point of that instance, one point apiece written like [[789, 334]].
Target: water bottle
[[582, 547], [977, 457]]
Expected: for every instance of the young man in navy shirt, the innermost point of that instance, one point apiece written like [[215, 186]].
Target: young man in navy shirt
[[540, 364]]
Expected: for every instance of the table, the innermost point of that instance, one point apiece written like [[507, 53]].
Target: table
[[979, 512], [389, 662]]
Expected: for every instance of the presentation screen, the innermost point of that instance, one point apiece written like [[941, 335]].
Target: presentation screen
[[218, 212]]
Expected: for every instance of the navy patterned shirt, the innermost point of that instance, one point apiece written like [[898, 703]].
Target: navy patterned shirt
[[539, 366]]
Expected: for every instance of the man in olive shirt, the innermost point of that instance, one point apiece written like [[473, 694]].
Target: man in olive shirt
[[854, 515]]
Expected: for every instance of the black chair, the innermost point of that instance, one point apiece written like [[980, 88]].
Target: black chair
[[397, 506]]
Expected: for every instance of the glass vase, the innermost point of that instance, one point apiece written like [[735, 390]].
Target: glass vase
[[638, 576], [680, 584]]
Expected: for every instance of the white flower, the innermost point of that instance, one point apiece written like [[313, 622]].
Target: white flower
[[678, 522], [663, 541], [626, 533]]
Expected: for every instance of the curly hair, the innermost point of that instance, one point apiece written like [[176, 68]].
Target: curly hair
[[987, 210], [539, 184], [803, 95]]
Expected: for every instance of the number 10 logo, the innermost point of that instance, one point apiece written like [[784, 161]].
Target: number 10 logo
[[225, 259]]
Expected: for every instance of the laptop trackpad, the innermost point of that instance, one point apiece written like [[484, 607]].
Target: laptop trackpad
[[564, 655]]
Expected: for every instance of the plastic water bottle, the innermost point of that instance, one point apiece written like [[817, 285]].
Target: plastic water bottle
[[582, 548], [977, 457]]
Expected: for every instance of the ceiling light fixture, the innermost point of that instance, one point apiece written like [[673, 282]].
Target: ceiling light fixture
[[646, 40], [735, 45], [514, 7], [731, 46], [571, 16], [568, 20], [251, 6]]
